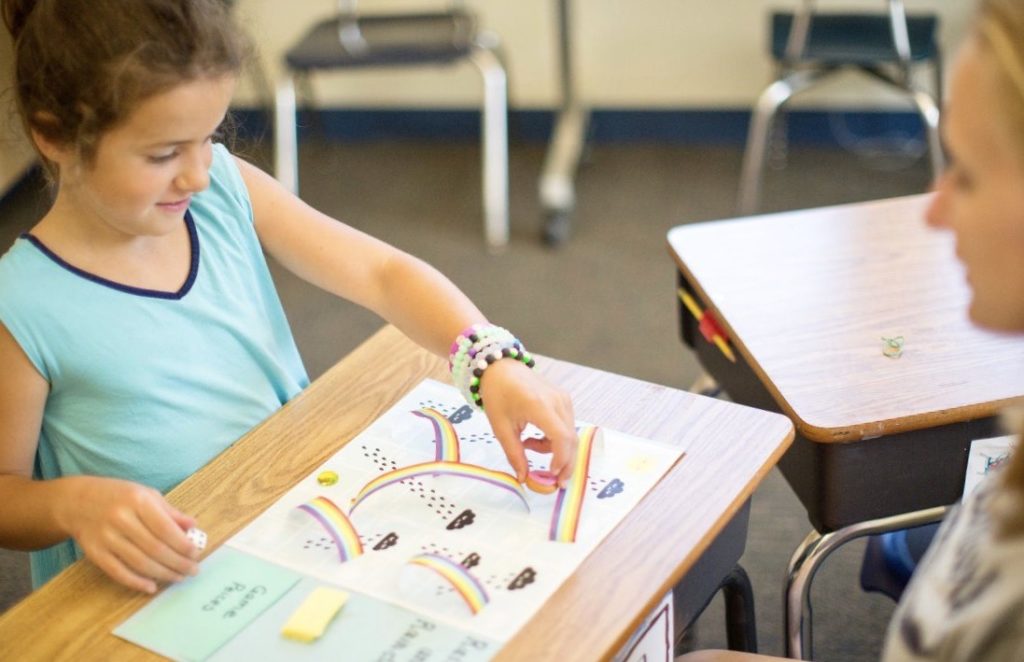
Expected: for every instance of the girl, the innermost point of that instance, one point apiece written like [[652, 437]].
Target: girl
[[140, 333]]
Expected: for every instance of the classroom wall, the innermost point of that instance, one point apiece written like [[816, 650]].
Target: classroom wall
[[658, 54]]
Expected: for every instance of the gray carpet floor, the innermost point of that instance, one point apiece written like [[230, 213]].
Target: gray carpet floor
[[605, 298]]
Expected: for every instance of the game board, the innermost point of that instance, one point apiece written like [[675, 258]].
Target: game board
[[415, 512]]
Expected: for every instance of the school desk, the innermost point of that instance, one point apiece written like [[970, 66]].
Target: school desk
[[806, 299], [676, 526]]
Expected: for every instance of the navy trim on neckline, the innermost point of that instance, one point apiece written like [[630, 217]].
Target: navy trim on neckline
[[193, 268]]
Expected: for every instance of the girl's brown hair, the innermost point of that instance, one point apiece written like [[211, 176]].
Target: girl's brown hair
[[999, 30], [81, 66]]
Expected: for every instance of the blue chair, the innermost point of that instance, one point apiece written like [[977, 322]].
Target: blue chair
[[350, 39], [808, 47], [891, 558]]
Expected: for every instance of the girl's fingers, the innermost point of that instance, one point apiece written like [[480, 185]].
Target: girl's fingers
[[184, 522], [107, 553], [157, 536], [536, 445], [560, 437], [169, 525], [120, 573], [508, 436], [143, 564]]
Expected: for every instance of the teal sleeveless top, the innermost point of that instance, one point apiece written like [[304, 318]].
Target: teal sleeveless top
[[146, 385]]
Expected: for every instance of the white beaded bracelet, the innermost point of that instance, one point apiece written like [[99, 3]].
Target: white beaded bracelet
[[476, 349]]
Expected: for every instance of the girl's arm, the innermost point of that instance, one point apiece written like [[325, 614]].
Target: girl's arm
[[417, 299], [126, 529]]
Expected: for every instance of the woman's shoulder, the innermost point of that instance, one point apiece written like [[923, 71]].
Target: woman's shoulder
[[966, 596]]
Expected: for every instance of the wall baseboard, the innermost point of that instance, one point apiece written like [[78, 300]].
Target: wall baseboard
[[697, 127]]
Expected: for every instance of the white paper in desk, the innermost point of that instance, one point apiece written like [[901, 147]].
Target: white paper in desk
[[985, 456], [509, 547]]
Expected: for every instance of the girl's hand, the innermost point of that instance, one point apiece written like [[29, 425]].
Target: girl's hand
[[514, 395], [129, 531]]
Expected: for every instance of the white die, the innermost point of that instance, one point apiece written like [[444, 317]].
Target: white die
[[197, 537]]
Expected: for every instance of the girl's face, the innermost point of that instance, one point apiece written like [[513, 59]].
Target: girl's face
[[147, 168], [980, 197]]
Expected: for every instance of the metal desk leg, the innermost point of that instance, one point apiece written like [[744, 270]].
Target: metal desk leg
[[812, 552], [557, 191], [740, 624], [716, 570]]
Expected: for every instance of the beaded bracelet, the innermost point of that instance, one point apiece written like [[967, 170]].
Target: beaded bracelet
[[479, 343], [481, 340], [476, 349]]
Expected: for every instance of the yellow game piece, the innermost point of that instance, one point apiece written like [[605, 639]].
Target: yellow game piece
[[327, 478], [308, 622]]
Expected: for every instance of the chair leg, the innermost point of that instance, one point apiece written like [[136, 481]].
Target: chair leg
[[929, 112], [808, 557], [495, 148], [740, 624], [556, 187], [305, 100], [774, 96], [705, 385], [286, 144]]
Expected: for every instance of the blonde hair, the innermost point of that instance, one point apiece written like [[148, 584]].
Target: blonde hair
[[999, 29]]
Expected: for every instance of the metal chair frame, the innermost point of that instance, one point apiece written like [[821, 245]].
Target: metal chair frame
[[484, 54], [796, 75]]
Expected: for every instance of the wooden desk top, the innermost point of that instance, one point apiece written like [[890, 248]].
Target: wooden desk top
[[729, 449], [807, 296]]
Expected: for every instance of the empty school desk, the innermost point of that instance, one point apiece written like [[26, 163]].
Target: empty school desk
[[806, 298], [729, 449]]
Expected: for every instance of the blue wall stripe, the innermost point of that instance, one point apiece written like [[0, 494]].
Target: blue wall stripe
[[697, 127]]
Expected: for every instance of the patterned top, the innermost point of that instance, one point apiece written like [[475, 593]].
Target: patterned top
[[966, 599]]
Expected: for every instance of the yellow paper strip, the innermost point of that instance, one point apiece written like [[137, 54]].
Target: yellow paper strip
[[308, 622]]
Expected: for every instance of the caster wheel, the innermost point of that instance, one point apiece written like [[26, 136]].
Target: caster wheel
[[556, 228]]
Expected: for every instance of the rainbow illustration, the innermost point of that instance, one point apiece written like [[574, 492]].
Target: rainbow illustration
[[445, 440], [569, 505], [337, 525], [465, 584], [496, 478]]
